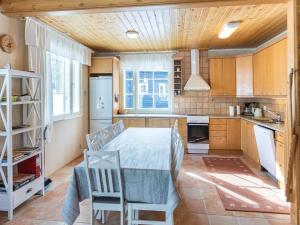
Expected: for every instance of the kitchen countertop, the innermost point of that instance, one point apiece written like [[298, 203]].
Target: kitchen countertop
[[273, 126], [277, 127], [141, 115]]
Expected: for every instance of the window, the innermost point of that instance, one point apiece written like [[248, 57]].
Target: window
[[146, 90], [66, 86]]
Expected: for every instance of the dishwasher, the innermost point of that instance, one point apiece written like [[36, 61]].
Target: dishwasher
[[266, 148]]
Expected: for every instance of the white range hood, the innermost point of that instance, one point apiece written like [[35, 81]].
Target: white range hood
[[196, 82]]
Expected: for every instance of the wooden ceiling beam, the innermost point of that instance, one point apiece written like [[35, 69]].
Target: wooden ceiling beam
[[21, 8]]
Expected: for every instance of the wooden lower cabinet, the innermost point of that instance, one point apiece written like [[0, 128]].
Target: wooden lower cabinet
[[132, 122], [249, 146], [225, 134], [234, 134], [159, 122], [280, 157]]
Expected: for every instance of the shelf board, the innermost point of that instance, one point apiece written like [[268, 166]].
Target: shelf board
[[22, 159], [21, 102], [19, 73], [20, 130]]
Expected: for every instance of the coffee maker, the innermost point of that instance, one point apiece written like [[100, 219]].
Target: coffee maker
[[249, 108]]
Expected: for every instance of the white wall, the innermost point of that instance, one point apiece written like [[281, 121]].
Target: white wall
[[68, 135], [15, 28], [68, 140]]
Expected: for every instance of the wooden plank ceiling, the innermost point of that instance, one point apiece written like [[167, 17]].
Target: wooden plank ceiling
[[173, 28], [39, 7]]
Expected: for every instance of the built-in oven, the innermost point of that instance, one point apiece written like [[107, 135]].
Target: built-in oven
[[198, 134]]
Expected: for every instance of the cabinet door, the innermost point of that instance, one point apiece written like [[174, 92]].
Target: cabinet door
[[159, 122], [280, 71], [125, 121], [250, 148], [102, 65], [136, 122], [269, 79], [234, 134], [243, 135], [253, 151], [280, 161], [229, 77], [244, 76], [217, 142], [259, 72], [216, 76]]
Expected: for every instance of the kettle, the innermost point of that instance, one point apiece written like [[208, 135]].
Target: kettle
[[257, 112]]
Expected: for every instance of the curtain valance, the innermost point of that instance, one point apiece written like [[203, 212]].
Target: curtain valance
[[147, 61], [41, 36]]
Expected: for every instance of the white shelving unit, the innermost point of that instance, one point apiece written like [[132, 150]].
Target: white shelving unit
[[30, 136]]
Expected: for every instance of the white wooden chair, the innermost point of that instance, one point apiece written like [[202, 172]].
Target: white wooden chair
[[94, 141], [118, 128], [135, 207], [100, 166], [121, 125], [98, 139]]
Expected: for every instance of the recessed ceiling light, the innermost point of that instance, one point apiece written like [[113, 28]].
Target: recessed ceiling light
[[132, 34], [228, 29]]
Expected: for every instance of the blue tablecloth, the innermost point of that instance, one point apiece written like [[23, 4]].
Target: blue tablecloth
[[145, 157]]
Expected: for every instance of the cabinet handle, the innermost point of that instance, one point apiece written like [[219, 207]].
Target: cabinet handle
[[28, 190]]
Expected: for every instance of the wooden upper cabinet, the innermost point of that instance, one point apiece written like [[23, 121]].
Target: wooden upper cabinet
[[270, 70], [216, 70], [244, 76], [280, 70], [259, 72], [102, 65], [222, 76]]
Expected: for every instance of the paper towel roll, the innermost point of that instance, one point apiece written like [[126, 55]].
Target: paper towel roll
[[231, 110]]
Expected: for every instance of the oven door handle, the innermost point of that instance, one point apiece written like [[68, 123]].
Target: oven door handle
[[197, 124]]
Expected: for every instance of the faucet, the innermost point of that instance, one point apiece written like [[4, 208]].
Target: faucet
[[276, 115]]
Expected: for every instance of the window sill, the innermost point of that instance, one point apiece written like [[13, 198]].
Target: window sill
[[66, 117]]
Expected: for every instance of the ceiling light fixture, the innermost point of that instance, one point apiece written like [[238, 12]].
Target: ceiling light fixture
[[132, 34], [228, 29]]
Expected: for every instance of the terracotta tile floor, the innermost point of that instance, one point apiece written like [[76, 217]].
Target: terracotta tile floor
[[200, 203]]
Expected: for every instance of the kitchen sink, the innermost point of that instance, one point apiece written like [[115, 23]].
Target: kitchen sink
[[264, 120]]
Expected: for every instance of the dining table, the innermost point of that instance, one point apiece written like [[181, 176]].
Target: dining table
[[146, 160]]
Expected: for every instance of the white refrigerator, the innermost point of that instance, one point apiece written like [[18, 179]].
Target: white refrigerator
[[101, 102]]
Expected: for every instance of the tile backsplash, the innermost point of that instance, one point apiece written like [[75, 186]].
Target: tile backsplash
[[200, 102]]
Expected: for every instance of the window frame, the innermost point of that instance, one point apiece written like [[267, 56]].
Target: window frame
[[71, 114], [136, 108]]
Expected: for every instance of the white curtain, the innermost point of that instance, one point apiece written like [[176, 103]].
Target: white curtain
[[41, 36], [42, 40], [151, 61]]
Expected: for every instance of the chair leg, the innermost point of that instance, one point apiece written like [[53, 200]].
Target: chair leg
[[92, 218], [136, 215], [103, 216], [122, 217], [169, 218], [129, 214]]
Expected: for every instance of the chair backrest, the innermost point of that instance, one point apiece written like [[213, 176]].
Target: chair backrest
[[106, 135], [98, 139], [104, 174], [177, 149], [118, 128], [121, 125], [94, 141]]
